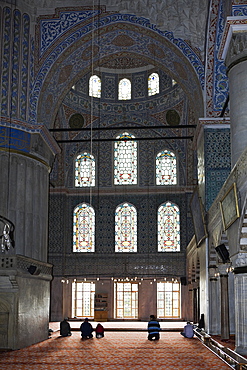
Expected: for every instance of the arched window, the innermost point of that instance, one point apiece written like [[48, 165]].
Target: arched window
[[83, 228], [125, 160], [124, 89], [166, 168], [126, 228], [168, 228], [95, 86], [153, 84], [84, 170]]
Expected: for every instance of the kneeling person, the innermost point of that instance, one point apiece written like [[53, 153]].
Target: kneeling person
[[86, 330], [188, 331], [65, 329], [153, 329]]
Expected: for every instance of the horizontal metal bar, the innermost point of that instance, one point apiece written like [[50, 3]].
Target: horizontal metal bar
[[120, 128], [128, 139]]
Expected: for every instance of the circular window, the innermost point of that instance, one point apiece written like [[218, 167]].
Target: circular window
[[172, 117], [76, 121]]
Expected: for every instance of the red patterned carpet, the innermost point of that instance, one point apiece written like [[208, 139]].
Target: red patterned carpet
[[117, 350]]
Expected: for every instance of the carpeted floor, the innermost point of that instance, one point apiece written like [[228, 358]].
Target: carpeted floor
[[117, 350]]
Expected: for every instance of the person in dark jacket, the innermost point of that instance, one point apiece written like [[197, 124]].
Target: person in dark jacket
[[153, 329], [86, 330], [65, 329], [188, 331]]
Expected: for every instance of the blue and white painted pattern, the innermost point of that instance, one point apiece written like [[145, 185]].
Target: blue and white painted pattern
[[239, 10], [220, 77], [106, 48], [53, 29]]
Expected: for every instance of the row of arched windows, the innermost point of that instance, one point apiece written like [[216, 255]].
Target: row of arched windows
[[125, 165], [124, 86], [168, 224]]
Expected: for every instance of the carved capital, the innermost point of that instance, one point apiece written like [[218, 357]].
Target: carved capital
[[237, 51]]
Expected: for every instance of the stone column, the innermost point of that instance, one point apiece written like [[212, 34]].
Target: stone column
[[240, 274], [225, 327], [224, 301], [26, 157], [236, 63], [214, 300]]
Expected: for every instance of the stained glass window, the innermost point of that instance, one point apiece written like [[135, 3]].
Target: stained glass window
[[83, 228], [85, 170], [126, 228], [125, 160], [153, 84], [166, 168], [174, 82], [124, 89], [95, 86], [168, 299], [168, 228]]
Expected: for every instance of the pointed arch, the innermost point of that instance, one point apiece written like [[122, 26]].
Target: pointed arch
[[126, 228], [153, 84], [85, 170], [95, 86], [83, 228], [124, 89], [125, 160], [166, 168], [168, 227]]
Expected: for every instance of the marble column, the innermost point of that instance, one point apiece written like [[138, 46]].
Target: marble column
[[241, 311], [225, 326], [236, 63], [214, 308], [26, 156]]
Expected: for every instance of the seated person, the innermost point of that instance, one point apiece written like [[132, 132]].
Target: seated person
[[86, 329], [65, 329], [188, 331], [153, 329], [99, 331]]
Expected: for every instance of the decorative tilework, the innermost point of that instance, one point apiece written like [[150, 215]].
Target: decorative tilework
[[217, 162], [109, 87], [214, 181], [139, 86]]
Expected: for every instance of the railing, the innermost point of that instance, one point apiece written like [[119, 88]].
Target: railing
[[232, 358]]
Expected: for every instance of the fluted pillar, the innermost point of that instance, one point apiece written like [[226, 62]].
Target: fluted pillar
[[26, 158]]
